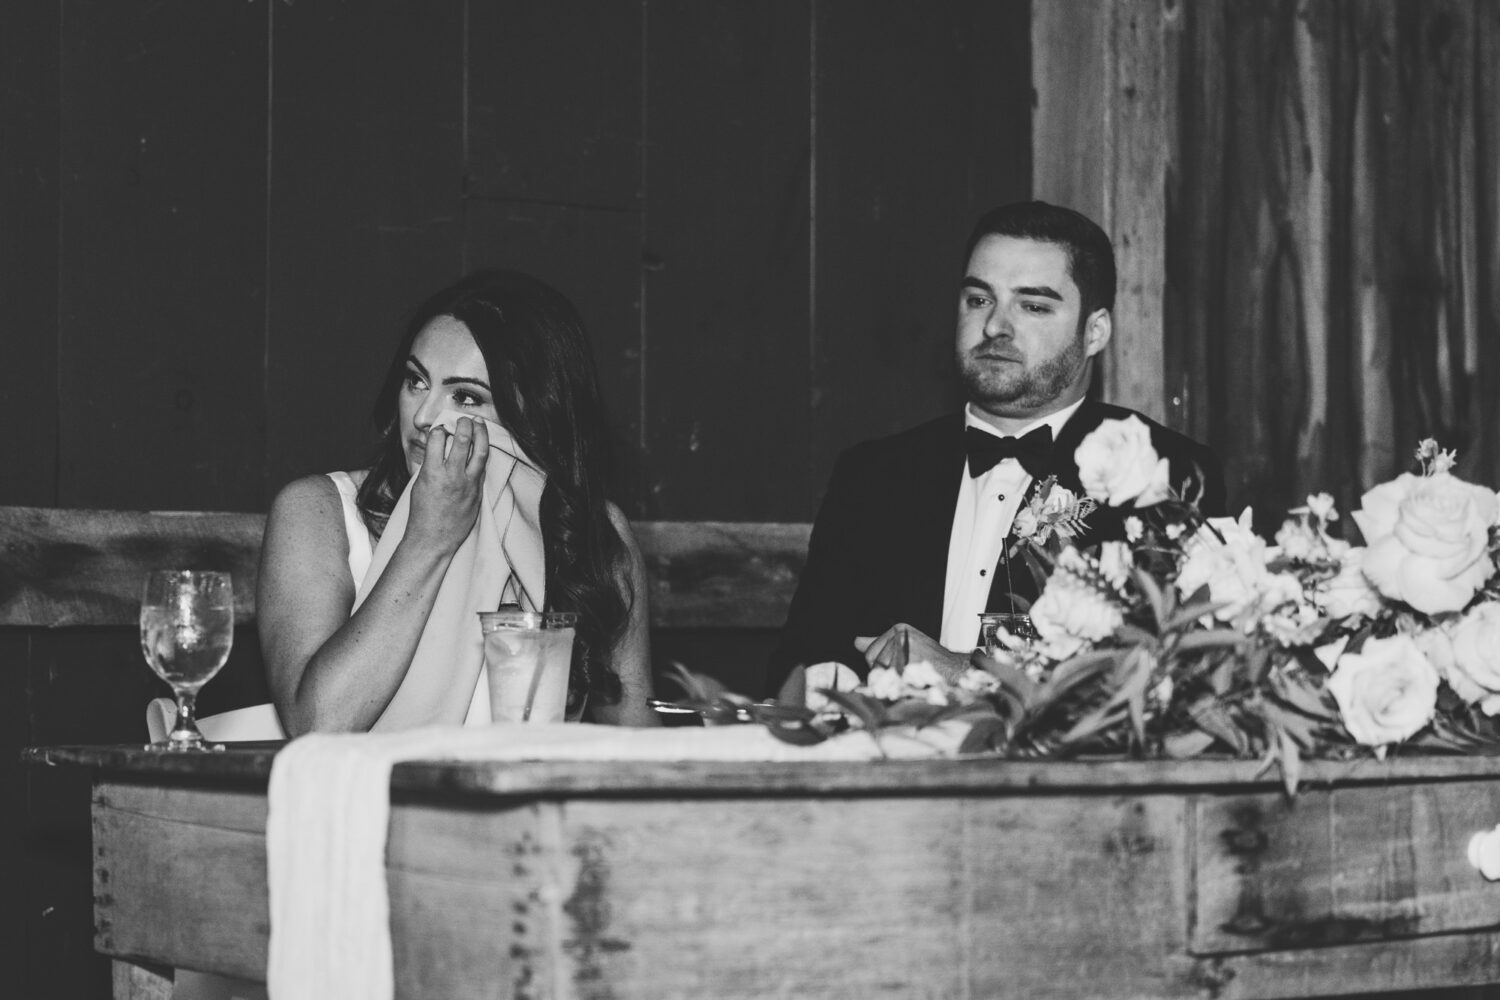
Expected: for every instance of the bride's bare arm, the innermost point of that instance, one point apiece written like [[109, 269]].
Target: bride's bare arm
[[328, 670], [631, 656]]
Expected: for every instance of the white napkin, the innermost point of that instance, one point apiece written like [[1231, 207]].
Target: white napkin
[[503, 554]]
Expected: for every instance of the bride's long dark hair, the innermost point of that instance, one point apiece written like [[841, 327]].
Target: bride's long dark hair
[[546, 391]]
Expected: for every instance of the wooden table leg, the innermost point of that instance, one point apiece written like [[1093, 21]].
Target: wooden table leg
[[141, 982]]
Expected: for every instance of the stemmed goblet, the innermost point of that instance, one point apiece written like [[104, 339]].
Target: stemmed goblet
[[187, 629]]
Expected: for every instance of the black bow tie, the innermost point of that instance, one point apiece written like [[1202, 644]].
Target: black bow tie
[[986, 450]]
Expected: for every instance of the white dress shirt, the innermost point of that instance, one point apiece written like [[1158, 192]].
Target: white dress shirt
[[981, 521]]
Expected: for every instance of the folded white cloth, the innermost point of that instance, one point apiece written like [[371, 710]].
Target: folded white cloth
[[330, 810], [501, 559]]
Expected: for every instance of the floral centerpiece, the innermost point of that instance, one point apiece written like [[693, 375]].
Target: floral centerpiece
[[1194, 636]]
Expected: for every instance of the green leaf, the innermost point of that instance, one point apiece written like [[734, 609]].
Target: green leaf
[[1016, 602], [1039, 573], [990, 734], [1291, 762], [1314, 700], [1182, 746], [913, 713], [1074, 673], [1097, 721], [1012, 680], [1211, 639], [1190, 614], [868, 710], [700, 688], [1161, 609], [1136, 702], [1223, 676], [1213, 719], [798, 734], [772, 712], [1134, 635]]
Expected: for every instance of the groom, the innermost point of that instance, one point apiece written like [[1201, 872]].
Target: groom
[[909, 544]]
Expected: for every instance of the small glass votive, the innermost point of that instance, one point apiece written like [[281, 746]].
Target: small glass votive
[[528, 656], [994, 624]]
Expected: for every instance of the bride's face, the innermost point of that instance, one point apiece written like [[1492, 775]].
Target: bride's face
[[444, 371]]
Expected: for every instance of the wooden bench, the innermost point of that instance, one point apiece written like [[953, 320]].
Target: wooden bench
[[718, 590], [62, 568]]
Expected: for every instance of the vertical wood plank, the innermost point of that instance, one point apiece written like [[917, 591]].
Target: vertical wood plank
[[1194, 224], [555, 102], [901, 173], [591, 256], [1105, 144], [15, 733], [1374, 130], [363, 212], [1486, 165], [1141, 154], [553, 178], [163, 151], [29, 80], [30, 52], [1070, 78], [726, 239]]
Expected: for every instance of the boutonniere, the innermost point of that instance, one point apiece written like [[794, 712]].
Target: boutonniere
[[1053, 512]]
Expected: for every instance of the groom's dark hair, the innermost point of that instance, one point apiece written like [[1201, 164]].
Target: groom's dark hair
[[1091, 257]]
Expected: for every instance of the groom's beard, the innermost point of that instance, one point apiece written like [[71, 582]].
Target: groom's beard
[[1026, 386]]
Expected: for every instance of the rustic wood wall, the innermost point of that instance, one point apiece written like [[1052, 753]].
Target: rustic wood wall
[[1334, 239], [214, 217], [1305, 195]]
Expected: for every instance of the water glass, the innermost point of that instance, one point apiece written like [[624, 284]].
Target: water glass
[[187, 629], [994, 624], [528, 656]]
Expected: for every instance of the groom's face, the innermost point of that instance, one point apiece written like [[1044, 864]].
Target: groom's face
[[1023, 345]]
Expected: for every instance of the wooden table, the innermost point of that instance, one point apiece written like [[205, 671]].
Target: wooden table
[[978, 878]]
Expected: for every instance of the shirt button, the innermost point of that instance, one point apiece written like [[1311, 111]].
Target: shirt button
[[1002, 496], [983, 572]]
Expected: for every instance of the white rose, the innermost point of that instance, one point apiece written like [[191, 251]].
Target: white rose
[[1348, 592], [883, 683], [920, 679], [1386, 692], [1428, 540], [1475, 676], [1025, 524], [1484, 853], [1329, 653], [1071, 613], [976, 681], [1234, 571], [1297, 540], [1321, 506], [1059, 501], [1115, 562], [1117, 465]]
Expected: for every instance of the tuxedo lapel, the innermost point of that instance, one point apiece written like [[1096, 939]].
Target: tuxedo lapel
[[933, 476]]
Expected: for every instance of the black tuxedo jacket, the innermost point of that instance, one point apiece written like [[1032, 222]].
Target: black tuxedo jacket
[[879, 549]]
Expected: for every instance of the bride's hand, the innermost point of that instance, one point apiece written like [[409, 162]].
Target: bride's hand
[[450, 485]]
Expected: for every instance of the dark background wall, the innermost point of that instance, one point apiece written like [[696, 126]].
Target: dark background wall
[[214, 217]]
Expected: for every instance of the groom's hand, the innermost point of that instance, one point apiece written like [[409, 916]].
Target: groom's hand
[[885, 650]]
